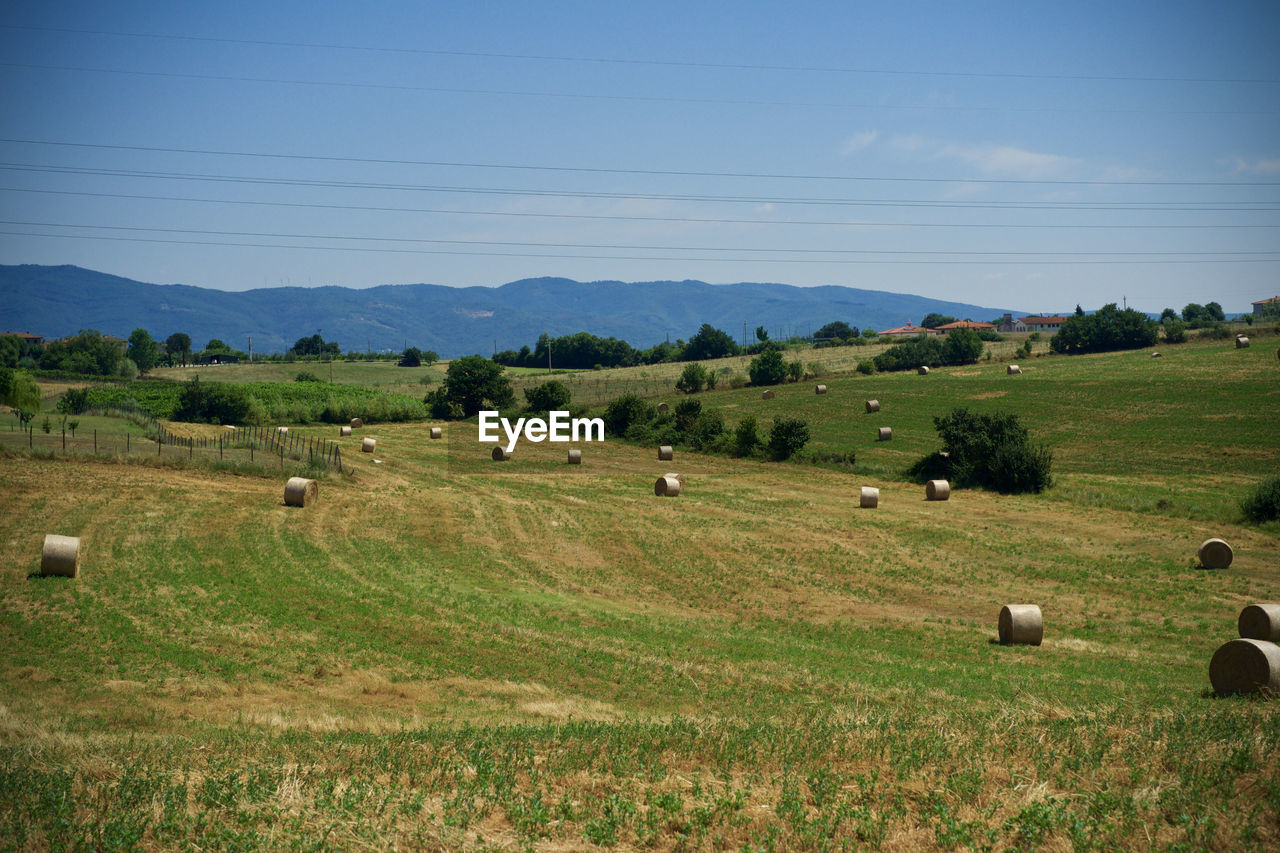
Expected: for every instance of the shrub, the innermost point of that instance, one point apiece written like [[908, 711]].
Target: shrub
[[767, 368], [963, 346], [692, 378], [787, 436], [746, 436], [1109, 328], [74, 401], [1175, 332], [204, 402], [1264, 503], [550, 396], [795, 371], [306, 376], [866, 367], [908, 355], [625, 411], [993, 451]]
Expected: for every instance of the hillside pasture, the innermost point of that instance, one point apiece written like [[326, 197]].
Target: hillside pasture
[[449, 653]]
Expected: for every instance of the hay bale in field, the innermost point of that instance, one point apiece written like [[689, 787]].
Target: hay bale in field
[[673, 475], [60, 556], [663, 407], [368, 445], [356, 423], [873, 406], [870, 497], [819, 389], [500, 455], [229, 426], [1241, 342], [1215, 554], [1245, 666], [1013, 370], [667, 486], [437, 432], [1260, 622], [575, 457], [665, 453], [923, 370], [300, 491], [884, 434], [282, 430], [1021, 624], [937, 490], [1155, 355], [766, 395], [344, 431]]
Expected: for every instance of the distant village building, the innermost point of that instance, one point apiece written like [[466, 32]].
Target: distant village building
[[219, 358], [967, 324], [1052, 324], [26, 337], [908, 331], [1260, 307]]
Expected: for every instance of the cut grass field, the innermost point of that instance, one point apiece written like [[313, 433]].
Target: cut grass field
[[448, 653]]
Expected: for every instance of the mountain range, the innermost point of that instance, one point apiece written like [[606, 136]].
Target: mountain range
[[55, 301]]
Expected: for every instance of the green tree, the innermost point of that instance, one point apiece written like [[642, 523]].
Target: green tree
[[692, 378], [412, 357], [88, 352], [787, 436], [962, 346], [762, 334], [18, 390], [430, 357], [1175, 331], [767, 368], [933, 320], [1168, 314], [143, 350], [746, 437], [552, 396], [990, 450], [624, 412], [473, 383], [1109, 328], [836, 330], [179, 344], [709, 342]]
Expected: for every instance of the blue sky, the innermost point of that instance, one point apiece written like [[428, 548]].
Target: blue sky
[[1041, 155]]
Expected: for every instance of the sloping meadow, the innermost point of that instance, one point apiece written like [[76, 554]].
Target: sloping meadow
[[445, 652]]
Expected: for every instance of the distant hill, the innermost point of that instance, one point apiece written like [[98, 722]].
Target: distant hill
[[453, 321]]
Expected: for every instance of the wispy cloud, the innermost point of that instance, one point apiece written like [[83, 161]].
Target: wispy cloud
[[859, 141], [1255, 167], [1003, 160]]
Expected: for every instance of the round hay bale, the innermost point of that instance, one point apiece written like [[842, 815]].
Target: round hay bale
[[344, 431], [300, 491], [937, 490], [873, 406], [1261, 622], [282, 430], [923, 370], [1021, 624], [870, 497], [819, 389], [1013, 370], [662, 407], [1245, 666], [766, 395], [500, 455], [1215, 554], [885, 434], [1241, 342], [575, 456], [665, 453], [437, 432], [356, 423], [1156, 355], [673, 475], [667, 487], [368, 445], [60, 556]]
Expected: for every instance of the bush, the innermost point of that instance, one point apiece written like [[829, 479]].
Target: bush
[[228, 404], [866, 367], [1109, 328], [551, 396], [625, 411], [307, 376], [963, 346], [795, 371], [746, 436], [767, 368], [1264, 503], [908, 355], [1175, 332], [692, 378], [787, 436], [993, 451]]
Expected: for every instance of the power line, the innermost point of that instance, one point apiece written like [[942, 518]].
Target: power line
[[951, 262], [444, 90], [635, 218], [1236, 206], [655, 248], [658, 172], [740, 66]]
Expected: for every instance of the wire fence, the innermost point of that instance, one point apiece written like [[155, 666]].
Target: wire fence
[[252, 445]]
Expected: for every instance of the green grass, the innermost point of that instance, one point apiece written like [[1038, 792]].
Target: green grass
[[447, 653]]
